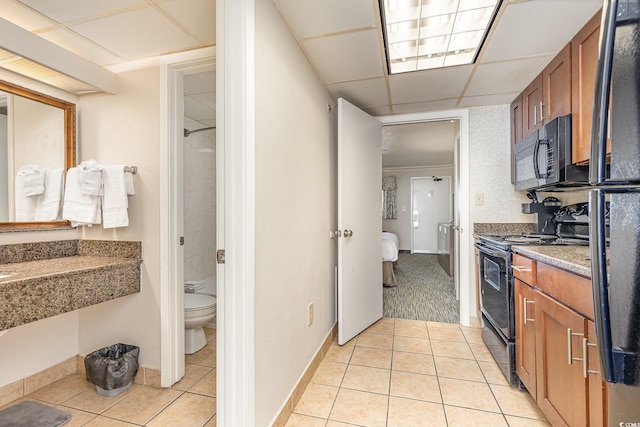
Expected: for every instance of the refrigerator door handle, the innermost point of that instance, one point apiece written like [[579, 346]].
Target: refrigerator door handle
[[617, 365], [598, 156]]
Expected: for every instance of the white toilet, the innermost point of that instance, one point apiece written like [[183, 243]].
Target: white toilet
[[199, 309]]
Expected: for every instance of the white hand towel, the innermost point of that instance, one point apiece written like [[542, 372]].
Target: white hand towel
[[33, 180], [90, 175], [128, 176], [25, 206], [48, 204], [80, 209], [115, 203]]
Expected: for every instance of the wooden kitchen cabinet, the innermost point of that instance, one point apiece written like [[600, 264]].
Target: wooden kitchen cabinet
[[584, 57], [531, 99], [556, 86], [516, 129], [551, 344], [525, 335]]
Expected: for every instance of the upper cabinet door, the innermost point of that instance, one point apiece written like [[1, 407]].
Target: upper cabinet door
[[531, 100], [584, 57], [556, 86], [516, 129]]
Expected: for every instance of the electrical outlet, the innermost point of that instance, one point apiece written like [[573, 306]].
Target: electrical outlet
[[310, 314], [479, 198]]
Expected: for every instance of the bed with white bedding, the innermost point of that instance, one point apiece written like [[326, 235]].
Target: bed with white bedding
[[389, 258]]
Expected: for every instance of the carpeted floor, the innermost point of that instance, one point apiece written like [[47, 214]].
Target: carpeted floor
[[424, 291]]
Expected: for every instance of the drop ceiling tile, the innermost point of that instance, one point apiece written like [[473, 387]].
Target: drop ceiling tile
[[421, 107], [346, 57], [136, 34], [477, 101], [81, 46], [363, 93], [507, 76], [22, 16], [197, 16], [428, 85], [200, 82], [316, 18], [384, 110], [72, 10], [537, 27]]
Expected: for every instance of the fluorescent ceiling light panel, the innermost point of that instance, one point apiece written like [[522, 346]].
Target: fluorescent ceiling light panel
[[426, 34]]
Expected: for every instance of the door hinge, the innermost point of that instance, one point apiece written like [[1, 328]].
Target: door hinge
[[181, 240], [220, 256]]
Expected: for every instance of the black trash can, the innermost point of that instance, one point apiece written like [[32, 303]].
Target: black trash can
[[112, 369]]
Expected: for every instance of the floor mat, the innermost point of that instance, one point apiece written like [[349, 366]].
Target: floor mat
[[32, 414]]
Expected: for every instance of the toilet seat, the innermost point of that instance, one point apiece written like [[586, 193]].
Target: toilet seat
[[194, 302]]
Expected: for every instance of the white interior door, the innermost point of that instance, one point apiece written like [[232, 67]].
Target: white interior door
[[430, 205], [359, 220]]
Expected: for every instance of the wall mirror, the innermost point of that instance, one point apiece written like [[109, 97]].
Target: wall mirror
[[35, 129]]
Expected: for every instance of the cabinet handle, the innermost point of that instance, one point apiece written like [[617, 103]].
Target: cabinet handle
[[609, 126], [520, 268], [570, 357], [542, 117], [585, 358], [535, 115], [524, 310]]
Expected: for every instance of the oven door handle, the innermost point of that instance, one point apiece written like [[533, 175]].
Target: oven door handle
[[490, 252]]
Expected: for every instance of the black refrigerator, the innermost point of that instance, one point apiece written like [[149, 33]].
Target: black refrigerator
[[615, 183]]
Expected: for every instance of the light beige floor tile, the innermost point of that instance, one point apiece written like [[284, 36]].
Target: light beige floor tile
[[206, 386], [525, 422], [200, 410], [468, 394], [91, 401], [463, 369], [458, 350], [413, 362], [331, 423], [297, 420], [473, 335], [381, 327], [192, 374], [411, 345], [364, 378], [78, 418], [447, 334], [340, 354], [11, 392], [360, 408], [210, 334], [316, 401], [465, 417], [329, 373], [64, 389], [492, 373], [373, 357], [416, 331], [100, 421], [415, 386], [431, 325], [142, 405], [213, 422], [410, 322], [205, 357], [367, 339], [409, 412], [481, 352], [515, 402]]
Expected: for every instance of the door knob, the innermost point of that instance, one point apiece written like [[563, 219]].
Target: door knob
[[347, 233]]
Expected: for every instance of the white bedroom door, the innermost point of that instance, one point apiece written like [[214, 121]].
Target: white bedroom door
[[359, 220]]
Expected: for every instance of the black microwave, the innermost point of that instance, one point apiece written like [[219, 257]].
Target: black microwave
[[542, 160]]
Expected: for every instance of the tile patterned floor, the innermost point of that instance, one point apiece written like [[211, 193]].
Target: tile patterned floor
[[189, 403], [413, 373]]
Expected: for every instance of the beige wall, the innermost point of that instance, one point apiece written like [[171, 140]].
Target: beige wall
[[125, 129], [295, 210]]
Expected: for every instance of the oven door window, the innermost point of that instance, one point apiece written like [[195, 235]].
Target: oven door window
[[494, 286]]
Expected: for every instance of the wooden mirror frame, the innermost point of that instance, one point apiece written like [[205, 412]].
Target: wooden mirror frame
[[69, 149]]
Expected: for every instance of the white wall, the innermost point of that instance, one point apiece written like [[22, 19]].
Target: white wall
[[125, 129], [295, 210], [402, 226], [4, 173], [200, 205]]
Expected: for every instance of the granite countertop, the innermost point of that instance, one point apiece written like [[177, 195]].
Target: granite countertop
[[60, 267], [575, 259]]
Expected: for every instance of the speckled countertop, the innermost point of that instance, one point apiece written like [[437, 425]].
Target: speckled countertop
[[575, 259], [50, 278]]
